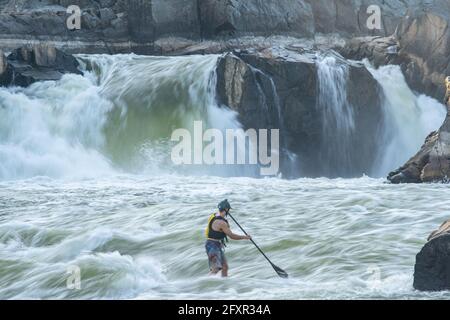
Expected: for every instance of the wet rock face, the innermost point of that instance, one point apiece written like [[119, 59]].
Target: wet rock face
[[146, 21], [5, 70], [432, 268], [27, 65], [176, 18], [140, 20], [3, 63], [243, 89], [269, 92], [255, 17]]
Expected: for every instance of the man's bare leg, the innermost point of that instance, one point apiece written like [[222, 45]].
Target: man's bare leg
[[225, 270], [214, 270]]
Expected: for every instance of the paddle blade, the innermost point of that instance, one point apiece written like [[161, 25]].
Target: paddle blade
[[281, 272]]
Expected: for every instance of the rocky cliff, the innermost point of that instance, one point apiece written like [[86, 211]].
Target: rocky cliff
[[420, 45], [423, 39], [169, 26], [139, 25]]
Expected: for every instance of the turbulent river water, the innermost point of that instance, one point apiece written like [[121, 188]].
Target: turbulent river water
[[86, 184], [133, 237]]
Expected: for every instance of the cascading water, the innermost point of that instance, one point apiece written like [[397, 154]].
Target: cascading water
[[408, 119], [270, 100], [338, 126], [290, 165], [53, 129], [119, 116]]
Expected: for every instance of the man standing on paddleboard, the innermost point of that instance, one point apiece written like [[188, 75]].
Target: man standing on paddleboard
[[217, 231]]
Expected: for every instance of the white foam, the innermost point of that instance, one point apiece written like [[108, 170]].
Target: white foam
[[409, 119]]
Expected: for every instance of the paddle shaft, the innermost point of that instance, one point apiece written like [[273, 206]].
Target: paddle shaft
[[257, 247]]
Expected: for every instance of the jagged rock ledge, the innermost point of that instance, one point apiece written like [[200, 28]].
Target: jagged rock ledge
[[419, 45], [27, 65]]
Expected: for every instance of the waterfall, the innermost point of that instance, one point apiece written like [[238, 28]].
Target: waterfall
[[408, 119], [118, 117], [338, 126], [271, 102], [290, 159]]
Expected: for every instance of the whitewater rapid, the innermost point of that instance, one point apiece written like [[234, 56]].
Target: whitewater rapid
[[138, 238]]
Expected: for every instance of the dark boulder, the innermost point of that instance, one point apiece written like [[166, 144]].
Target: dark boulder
[[5, 70], [268, 93], [272, 89], [248, 91], [27, 65], [432, 268]]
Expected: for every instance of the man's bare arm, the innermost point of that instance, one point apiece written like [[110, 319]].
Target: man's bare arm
[[226, 229]]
